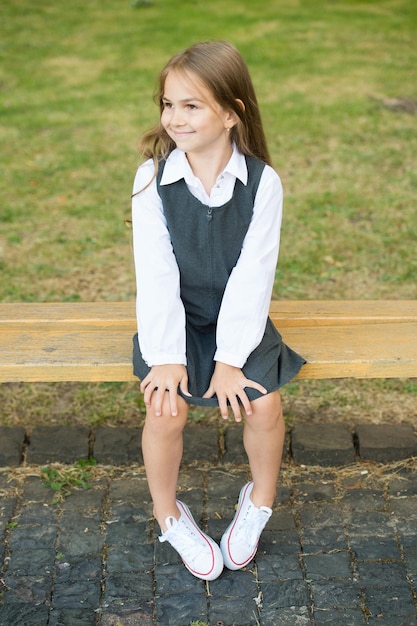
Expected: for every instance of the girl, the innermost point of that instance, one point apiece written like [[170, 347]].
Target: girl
[[206, 221]]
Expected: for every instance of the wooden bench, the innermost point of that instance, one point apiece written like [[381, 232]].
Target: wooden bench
[[93, 341]]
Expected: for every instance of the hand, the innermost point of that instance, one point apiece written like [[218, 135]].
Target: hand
[[229, 383], [162, 379]]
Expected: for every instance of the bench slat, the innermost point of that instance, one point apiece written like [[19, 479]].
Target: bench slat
[[93, 341], [285, 313]]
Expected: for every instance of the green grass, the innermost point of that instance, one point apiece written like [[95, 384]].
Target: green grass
[[76, 85], [64, 480]]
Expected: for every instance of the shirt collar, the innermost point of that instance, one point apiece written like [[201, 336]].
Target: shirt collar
[[177, 167]]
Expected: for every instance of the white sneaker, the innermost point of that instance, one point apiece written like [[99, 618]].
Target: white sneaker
[[240, 541], [200, 554]]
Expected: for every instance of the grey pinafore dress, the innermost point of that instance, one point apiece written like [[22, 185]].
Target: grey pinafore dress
[[207, 244]]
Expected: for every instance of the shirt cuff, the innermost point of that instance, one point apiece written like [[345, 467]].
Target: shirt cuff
[[165, 359], [235, 360]]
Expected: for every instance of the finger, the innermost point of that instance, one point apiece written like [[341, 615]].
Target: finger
[[184, 386], [147, 396], [157, 401], [144, 383], [247, 407], [209, 393], [173, 401], [254, 385], [236, 409], [223, 407]]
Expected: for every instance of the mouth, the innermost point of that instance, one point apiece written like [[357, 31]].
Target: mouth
[[181, 133]]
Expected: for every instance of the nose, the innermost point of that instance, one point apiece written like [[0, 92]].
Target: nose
[[176, 117]]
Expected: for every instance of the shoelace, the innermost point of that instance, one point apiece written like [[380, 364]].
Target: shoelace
[[183, 539], [251, 525]]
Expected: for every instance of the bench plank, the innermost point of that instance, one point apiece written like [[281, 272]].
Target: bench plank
[[54, 342]]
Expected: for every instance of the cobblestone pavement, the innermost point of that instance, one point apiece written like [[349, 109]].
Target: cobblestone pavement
[[339, 550]]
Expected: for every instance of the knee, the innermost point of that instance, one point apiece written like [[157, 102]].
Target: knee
[[166, 424], [267, 412]]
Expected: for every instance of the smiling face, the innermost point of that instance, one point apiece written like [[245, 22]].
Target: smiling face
[[191, 116]]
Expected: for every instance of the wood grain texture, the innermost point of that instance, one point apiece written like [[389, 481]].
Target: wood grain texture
[[54, 342]]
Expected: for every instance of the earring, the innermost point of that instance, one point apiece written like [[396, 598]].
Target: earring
[[228, 130]]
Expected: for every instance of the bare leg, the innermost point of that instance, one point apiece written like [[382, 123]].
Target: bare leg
[[162, 447], [263, 438]]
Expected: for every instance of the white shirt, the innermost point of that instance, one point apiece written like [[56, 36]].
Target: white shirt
[[245, 305]]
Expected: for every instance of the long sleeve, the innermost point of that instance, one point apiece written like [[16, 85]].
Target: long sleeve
[[245, 305], [160, 312]]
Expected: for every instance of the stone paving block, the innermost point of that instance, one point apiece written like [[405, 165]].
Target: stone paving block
[[390, 601], [321, 516], [136, 587], [117, 446], [78, 568], [339, 617], [365, 499], [128, 513], [285, 594], [38, 513], [325, 566], [336, 594], [58, 444], [191, 478], [142, 616], [233, 443], [181, 609], [35, 590], [382, 575], [18, 614], [368, 548], [409, 547], [381, 620], [84, 501], [121, 559], [34, 538], [292, 616], [172, 579], [80, 521], [282, 519], [318, 491], [36, 491], [244, 613], [131, 490], [372, 523], [164, 555], [12, 440], [78, 543], [283, 543], [315, 540], [201, 445], [31, 562], [127, 534], [240, 585], [384, 443], [193, 498], [405, 508], [72, 617], [322, 444], [223, 490], [278, 567], [80, 594], [401, 485], [7, 507]]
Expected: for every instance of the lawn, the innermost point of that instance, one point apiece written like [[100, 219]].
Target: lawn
[[336, 81]]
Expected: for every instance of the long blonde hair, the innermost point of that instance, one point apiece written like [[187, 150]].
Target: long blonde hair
[[220, 66]]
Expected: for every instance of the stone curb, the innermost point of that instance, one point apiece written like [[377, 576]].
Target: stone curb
[[326, 445]]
